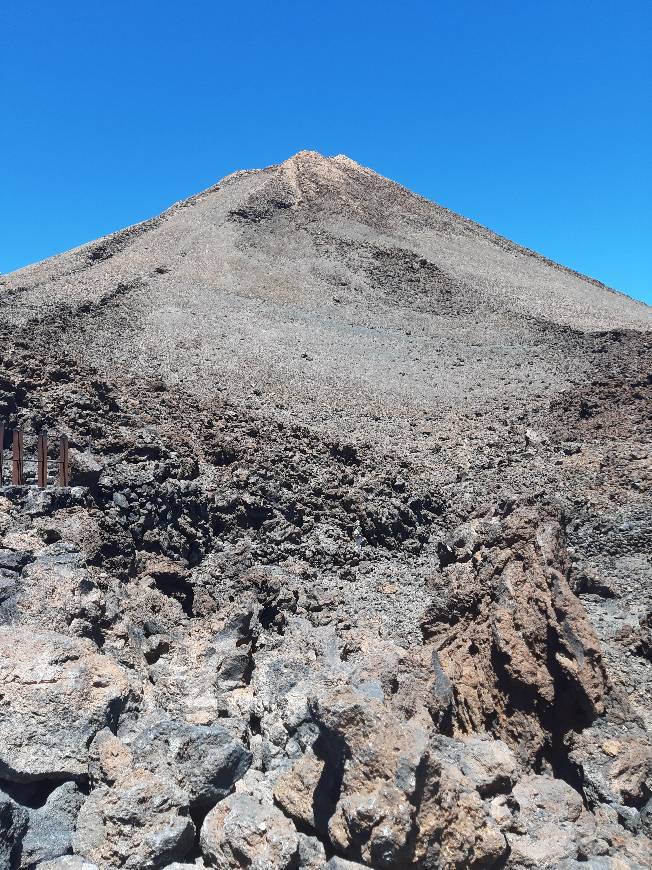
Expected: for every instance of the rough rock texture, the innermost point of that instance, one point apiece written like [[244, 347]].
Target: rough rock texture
[[354, 570], [56, 693], [50, 829], [242, 832], [141, 820], [13, 825]]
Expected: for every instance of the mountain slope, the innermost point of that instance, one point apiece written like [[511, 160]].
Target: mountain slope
[[357, 560]]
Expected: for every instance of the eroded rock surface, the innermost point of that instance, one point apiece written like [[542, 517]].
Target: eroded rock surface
[[57, 693]]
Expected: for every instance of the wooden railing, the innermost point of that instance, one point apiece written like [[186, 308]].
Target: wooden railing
[[18, 459]]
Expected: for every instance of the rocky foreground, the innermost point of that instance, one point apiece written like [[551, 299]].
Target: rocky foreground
[[355, 566]]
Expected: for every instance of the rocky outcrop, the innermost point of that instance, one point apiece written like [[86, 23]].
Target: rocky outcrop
[[512, 638]]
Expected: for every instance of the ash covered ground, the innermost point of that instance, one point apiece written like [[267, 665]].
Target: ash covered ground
[[355, 566]]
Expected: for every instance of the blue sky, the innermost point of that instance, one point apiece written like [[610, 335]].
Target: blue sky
[[533, 118]]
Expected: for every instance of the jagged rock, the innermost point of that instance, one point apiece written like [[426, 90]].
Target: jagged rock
[[204, 761], [375, 815], [141, 821], [108, 758], [297, 791], [312, 855], [77, 526], [50, 829], [56, 594], [60, 693], [13, 824], [85, 468], [283, 680], [489, 764], [456, 828], [513, 638], [546, 822], [243, 832], [616, 768]]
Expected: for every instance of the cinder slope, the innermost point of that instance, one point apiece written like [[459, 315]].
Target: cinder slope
[[354, 205], [319, 279]]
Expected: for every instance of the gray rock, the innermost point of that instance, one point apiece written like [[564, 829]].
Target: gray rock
[[49, 834], [60, 692], [336, 863], [141, 822], [312, 855], [241, 832], [204, 760], [13, 824], [545, 832], [68, 862], [11, 560], [86, 468]]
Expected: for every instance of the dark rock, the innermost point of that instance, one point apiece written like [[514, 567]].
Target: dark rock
[[13, 824]]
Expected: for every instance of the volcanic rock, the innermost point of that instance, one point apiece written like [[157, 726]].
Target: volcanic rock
[[354, 570]]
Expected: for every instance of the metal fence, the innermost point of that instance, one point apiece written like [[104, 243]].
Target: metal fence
[[18, 459]]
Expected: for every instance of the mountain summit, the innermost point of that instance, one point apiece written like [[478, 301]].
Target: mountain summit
[[354, 570], [389, 295]]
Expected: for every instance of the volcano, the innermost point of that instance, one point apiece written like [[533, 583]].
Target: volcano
[[354, 569]]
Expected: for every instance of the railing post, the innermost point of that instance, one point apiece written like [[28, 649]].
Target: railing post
[[17, 458], [64, 468], [2, 447], [42, 460]]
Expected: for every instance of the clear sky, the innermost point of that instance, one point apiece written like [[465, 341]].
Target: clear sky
[[533, 117]]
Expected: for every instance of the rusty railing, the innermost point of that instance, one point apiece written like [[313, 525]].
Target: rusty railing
[[18, 459]]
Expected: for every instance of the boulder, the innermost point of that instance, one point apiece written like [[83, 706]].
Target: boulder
[[204, 760], [381, 763], [141, 822], [312, 855], [242, 831], [455, 827], [545, 830], [86, 468], [50, 829], [56, 694]]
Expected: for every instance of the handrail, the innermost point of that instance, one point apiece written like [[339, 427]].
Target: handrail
[[18, 460]]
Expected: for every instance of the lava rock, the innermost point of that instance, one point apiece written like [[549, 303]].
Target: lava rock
[[141, 822], [60, 692], [242, 831]]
